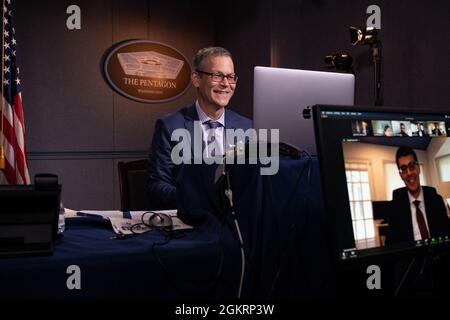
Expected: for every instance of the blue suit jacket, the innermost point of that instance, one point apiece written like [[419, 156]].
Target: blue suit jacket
[[161, 170]]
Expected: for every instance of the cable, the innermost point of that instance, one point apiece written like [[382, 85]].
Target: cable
[[229, 195], [242, 256], [422, 268], [404, 276], [169, 235], [167, 239], [222, 254]]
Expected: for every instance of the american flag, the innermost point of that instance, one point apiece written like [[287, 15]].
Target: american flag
[[13, 166]]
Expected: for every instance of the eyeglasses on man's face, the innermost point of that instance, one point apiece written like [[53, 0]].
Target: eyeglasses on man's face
[[219, 77], [412, 166]]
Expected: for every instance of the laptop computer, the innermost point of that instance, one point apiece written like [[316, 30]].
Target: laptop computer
[[281, 95]]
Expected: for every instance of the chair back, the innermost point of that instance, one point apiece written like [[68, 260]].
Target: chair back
[[132, 182]]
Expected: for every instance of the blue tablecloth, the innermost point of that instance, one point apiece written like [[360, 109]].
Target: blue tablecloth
[[281, 218], [112, 268]]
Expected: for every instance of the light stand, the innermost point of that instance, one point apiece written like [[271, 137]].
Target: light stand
[[362, 36], [377, 64]]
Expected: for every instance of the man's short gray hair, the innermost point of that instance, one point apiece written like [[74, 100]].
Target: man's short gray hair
[[202, 54]]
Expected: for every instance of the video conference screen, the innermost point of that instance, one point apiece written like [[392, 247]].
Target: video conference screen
[[386, 178]]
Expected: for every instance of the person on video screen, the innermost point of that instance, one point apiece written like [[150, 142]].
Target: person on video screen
[[417, 212], [387, 131], [435, 129], [361, 128], [421, 132], [403, 132]]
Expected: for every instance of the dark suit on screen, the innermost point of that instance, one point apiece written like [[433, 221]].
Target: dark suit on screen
[[400, 222]]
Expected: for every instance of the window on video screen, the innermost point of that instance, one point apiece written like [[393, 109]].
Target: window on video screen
[[383, 173]]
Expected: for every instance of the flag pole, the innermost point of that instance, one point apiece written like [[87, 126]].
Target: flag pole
[[2, 150]]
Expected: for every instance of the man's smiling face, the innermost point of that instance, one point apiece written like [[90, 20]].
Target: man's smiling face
[[410, 173], [214, 94]]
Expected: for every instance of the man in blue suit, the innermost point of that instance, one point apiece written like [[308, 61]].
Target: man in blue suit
[[215, 80]]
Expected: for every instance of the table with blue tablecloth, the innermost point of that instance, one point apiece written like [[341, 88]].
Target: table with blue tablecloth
[[282, 223]]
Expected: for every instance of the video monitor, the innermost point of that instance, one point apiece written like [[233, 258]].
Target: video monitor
[[386, 178]]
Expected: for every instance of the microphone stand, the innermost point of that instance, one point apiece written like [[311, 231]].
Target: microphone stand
[[229, 195]]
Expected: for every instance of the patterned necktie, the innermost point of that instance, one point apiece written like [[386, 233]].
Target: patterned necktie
[[212, 140], [421, 221]]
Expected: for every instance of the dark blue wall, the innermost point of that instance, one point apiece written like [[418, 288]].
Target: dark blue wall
[[76, 125], [79, 128]]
